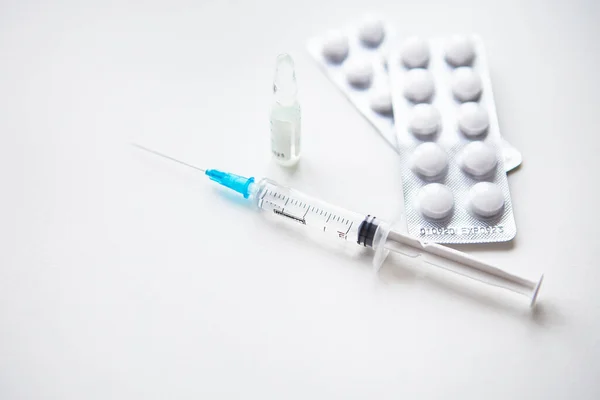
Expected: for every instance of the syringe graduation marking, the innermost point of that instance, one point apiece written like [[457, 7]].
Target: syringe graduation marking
[[292, 217], [349, 228], [290, 201]]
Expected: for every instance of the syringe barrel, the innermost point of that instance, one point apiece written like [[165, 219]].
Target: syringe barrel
[[300, 208]]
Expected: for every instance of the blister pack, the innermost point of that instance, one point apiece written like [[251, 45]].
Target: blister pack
[[454, 182], [354, 59]]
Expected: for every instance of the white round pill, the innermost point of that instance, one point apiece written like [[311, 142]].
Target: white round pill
[[335, 47], [371, 31], [381, 100], [478, 159], [429, 160], [424, 121], [435, 201], [473, 119], [415, 53], [359, 72], [486, 199], [418, 85], [459, 51], [466, 84]]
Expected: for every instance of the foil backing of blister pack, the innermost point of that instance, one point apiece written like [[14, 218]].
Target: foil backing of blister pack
[[462, 225]]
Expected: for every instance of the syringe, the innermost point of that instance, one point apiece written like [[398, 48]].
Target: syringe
[[366, 231]]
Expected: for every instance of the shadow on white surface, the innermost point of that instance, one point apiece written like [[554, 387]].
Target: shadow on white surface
[[399, 270], [399, 273], [233, 198], [485, 247]]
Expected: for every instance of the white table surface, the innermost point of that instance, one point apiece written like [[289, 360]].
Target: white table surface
[[123, 276]]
